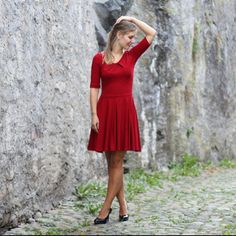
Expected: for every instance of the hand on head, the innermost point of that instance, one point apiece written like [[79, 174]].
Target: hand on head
[[128, 18]]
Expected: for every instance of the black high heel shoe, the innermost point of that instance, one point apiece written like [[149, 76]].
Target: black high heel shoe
[[102, 221], [123, 217]]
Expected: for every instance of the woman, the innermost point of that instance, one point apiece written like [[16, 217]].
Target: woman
[[114, 128]]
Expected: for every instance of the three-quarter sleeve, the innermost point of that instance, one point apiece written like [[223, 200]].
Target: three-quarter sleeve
[[95, 72], [139, 49]]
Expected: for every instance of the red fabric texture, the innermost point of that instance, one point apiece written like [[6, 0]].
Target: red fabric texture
[[118, 121]]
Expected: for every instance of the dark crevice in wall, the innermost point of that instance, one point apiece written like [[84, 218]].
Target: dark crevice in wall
[[107, 14]]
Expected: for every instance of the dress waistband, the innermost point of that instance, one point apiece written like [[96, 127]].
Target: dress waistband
[[116, 95]]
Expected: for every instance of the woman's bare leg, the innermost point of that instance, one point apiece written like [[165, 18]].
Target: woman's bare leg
[[121, 194], [121, 199], [114, 181]]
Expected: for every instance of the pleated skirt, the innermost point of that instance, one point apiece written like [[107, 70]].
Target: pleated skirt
[[118, 125]]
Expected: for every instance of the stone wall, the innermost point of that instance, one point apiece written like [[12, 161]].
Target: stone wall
[[46, 50], [193, 85]]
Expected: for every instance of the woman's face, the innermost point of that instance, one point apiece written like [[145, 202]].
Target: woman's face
[[126, 40]]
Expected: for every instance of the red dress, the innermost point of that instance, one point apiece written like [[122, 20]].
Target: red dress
[[118, 122]]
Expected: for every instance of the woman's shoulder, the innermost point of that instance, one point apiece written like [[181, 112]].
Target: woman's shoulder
[[98, 55]]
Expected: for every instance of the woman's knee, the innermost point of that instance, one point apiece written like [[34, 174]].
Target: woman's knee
[[116, 159], [108, 154]]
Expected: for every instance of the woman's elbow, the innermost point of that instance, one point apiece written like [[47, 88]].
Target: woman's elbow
[[154, 33]]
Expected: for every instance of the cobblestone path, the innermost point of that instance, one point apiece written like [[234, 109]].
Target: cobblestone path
[[192, 205]]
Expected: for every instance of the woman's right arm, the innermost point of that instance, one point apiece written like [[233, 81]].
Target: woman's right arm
[[93, 105], [94, 90]]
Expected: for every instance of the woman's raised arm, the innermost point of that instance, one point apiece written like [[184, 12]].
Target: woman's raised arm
[[148, 30]]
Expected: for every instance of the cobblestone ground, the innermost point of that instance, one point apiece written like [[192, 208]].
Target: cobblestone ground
[[192, 205]]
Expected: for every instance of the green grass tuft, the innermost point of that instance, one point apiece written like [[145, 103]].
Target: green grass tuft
[[229, 230], [227, 163], [139, 180], [90, 190], [188, 166]]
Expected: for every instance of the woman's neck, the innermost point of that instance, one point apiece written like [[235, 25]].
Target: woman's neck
[[117, 50]]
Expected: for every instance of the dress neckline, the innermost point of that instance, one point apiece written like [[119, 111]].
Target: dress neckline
[[115, 62]]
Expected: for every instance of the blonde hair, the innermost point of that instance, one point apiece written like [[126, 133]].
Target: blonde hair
[[124, 27]]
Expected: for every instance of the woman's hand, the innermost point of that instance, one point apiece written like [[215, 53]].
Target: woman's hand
[[95, 123], [128, 18]]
